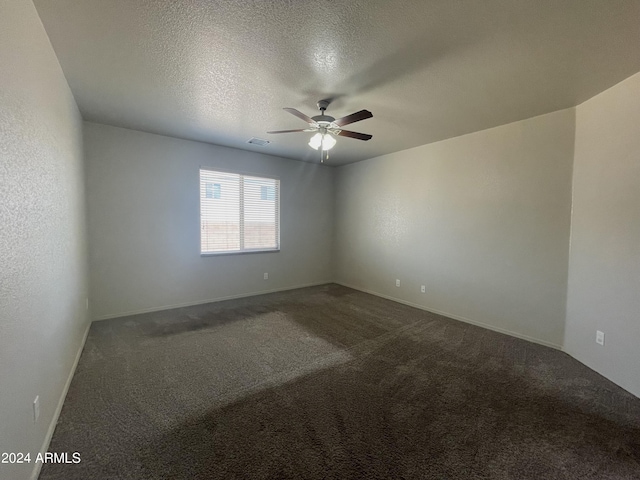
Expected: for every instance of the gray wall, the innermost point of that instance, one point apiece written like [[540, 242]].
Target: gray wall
[[604, 265], [43, 280], [481, 220], [144, 225]]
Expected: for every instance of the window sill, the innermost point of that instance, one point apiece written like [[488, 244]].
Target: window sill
[[244, 252]]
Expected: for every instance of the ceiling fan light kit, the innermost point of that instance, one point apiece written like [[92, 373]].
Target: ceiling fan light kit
[[324, 140], [326, 127]]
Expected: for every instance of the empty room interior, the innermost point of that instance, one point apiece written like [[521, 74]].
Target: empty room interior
[[322, 240]]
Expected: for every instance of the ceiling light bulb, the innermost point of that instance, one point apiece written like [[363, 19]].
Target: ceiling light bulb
[[328, 142], [316, 141]]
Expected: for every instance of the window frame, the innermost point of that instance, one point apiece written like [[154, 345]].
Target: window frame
[[242, 174]]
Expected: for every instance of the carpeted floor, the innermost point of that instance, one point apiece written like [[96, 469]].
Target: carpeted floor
[[331, 383]]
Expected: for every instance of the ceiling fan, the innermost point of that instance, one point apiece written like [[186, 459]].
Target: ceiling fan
[[326, 127]]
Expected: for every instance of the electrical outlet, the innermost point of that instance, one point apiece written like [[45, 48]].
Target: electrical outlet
[[397, 282], [86, 301], [423, 289], [599, 337], [36, 409], [266, 276]]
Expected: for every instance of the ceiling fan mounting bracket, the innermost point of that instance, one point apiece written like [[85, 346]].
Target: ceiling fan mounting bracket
[[323, 104]]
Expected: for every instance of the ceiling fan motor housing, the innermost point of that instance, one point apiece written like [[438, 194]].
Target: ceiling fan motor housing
[[323, 119]]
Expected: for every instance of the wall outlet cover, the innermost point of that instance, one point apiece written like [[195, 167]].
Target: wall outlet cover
[[423, 289], [397, 283], [599, 337]]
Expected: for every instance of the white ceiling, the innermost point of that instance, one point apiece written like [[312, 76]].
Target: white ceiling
[[220, 71]]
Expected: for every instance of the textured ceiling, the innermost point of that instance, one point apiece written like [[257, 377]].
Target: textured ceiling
[[221, 71]]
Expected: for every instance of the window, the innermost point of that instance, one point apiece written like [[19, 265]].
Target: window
[[267, 192], [238, 213], [212, 190]]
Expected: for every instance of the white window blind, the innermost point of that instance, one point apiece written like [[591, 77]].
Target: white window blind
[[238, 213]]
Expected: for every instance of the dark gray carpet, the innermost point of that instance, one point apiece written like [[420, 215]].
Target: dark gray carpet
[[331, 383]]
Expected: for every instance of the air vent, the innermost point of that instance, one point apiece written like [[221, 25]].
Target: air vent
[[258, 141]]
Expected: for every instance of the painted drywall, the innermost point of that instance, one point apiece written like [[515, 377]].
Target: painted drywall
[[481, 220], [144, 224], [604, 260], [43, 279]]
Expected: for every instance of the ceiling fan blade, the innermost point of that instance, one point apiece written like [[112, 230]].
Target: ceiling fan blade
[[359, 136], [286, 131], [354, 117], [299, 114]]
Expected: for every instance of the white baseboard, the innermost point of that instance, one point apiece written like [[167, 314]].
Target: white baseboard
[[457, 317], [54, 421], [210, 300]]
